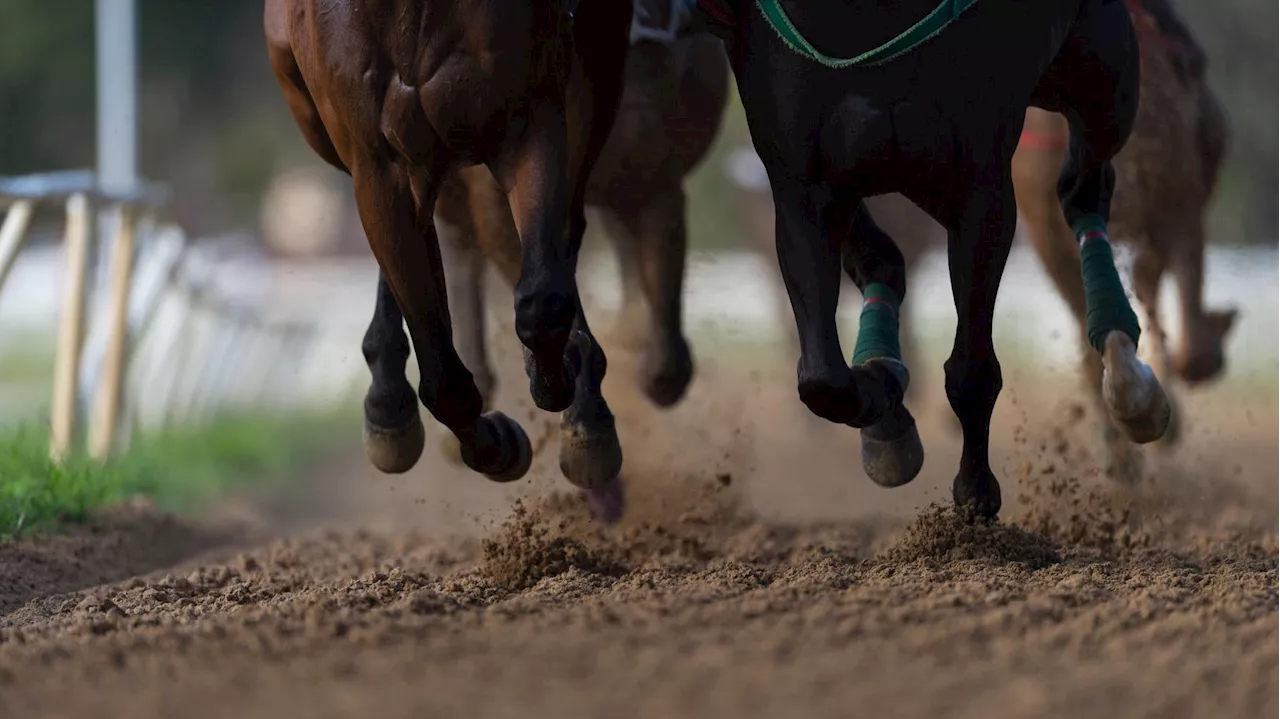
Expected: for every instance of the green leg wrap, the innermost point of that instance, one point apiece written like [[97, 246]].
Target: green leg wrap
[[1107, 307], [878, 325]]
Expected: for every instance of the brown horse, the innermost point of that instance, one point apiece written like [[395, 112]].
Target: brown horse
[[675, 91], [400, 94]]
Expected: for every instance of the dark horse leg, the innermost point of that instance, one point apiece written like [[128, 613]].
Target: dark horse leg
[[812, 224], [892, 454], [652, 235], [1094, 83], [564, 362]]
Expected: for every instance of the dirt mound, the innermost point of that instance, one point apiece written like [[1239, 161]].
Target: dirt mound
[[945, 535]]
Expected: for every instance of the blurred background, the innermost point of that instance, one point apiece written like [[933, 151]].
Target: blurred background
[[271, 261]]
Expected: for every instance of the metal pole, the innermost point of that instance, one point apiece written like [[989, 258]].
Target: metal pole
[[115, 25]]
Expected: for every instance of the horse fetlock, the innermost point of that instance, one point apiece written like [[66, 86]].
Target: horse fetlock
[[590, 453], [892, 453], [830, 394], [1135, 399], [666, 371], [499, 448]]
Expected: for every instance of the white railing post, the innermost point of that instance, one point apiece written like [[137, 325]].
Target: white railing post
[[106, 401], [13, 233], [62, 415]]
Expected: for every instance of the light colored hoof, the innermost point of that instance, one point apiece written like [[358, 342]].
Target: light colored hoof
[[1135, 399], [895, 461], [394, 451], [589, 459]]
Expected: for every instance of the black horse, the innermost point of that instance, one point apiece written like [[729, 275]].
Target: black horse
[[930, 104]]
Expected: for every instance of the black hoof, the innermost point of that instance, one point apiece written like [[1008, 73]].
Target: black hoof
[[549, 393], [892, 454], [979, 494], [606, 502], [512, 453], [590, 455], [666, 372], [394, 450]]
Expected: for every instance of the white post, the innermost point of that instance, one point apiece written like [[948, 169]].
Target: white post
[[115, 25]]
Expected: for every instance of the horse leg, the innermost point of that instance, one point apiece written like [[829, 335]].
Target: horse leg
[[810, 230], [892, 454], [1096, 78], [402, 236], [658, 228], [978, 244], [464, 266], [393, 433], [1036, 167], [1148, 269], [632, 328], [590, 454], [1201, 354]]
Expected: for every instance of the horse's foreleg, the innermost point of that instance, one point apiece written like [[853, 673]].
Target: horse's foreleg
[[658, 227], [1097, 76], [977, 250], [632, 327], [892, 453]]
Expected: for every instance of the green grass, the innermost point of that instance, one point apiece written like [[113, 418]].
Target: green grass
[[179, 470]]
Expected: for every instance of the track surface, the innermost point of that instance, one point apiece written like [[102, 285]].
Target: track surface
[[759, 574]]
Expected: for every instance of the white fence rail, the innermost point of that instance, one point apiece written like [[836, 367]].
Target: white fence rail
[[162, 341]]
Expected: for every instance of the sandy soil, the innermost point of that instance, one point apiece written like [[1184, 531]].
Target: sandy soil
[[759, 574]]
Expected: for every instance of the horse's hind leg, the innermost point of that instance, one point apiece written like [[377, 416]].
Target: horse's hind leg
[[393, 431], [1096, 77], [393, 434], [892, 453], [657, 228], [402, 236]]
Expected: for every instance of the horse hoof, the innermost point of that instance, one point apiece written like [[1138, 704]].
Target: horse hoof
[[892, 453], [980, 494], [1135, 399], [394, 450], [589, 457], [515, 453], [665, 374], [606, 502]]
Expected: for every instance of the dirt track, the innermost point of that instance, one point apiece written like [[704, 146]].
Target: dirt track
[[758, 574]]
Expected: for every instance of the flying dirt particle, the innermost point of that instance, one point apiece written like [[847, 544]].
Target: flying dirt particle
[[946, 534], [725, 479]]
